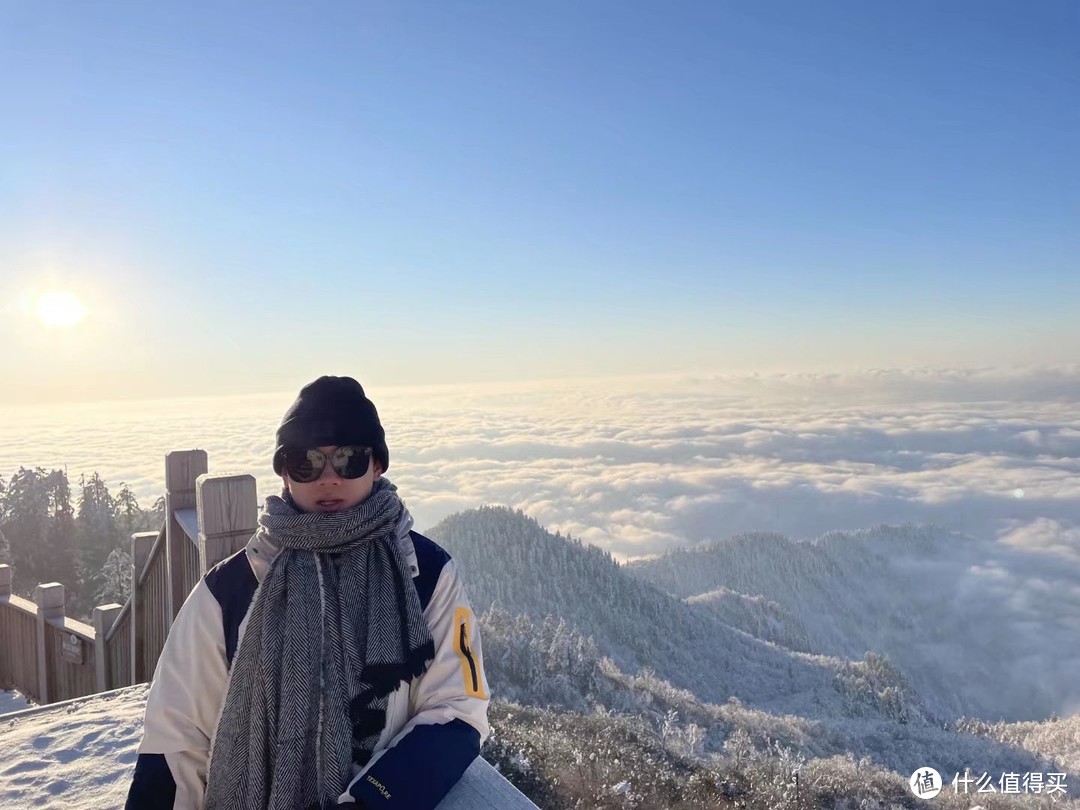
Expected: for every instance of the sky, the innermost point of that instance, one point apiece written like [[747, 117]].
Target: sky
[[244, 197]]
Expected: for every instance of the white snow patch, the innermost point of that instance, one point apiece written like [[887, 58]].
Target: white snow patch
[[14, 702], [78, 755]]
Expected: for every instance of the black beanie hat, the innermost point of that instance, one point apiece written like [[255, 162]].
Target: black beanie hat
[[331, 411]]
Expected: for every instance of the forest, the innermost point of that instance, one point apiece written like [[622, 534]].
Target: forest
[[78, 536]]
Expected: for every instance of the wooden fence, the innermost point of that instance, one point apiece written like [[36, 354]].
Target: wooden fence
[[50, 658]]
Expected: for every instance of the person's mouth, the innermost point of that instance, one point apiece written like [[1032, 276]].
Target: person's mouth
[[330, 504]]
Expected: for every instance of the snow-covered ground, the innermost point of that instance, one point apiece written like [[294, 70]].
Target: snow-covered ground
[[14, 702], [80, 755], [77, 755]]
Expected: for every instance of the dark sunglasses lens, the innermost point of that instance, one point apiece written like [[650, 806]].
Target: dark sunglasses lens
[[351, 461], [304, 467]]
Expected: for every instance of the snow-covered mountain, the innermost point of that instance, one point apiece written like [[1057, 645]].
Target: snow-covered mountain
[[512, 563], [756, 615], [565, 626], [978, 628]]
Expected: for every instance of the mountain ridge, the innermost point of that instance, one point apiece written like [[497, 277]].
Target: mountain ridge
[[639, 626], [911, 593], [561, 625]]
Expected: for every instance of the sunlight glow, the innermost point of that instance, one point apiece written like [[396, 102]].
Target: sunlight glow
[[60, 310]]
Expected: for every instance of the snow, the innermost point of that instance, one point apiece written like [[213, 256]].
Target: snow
[[14, 702], [77, 755], [80, 755]]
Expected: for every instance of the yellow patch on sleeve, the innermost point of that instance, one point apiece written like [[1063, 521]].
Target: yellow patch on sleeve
[[470, 662]]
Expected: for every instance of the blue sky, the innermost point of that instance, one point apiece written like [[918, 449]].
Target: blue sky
[[434, 192]]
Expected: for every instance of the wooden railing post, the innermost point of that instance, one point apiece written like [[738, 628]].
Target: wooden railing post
[[228, 512], [182, 468], [104, 616], [49, 598], [142, 543], [11, 653]]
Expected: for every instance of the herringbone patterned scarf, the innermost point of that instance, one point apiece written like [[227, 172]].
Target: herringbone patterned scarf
[[333, 628]]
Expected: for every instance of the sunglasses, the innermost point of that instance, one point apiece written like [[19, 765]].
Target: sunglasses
[[349, 461]]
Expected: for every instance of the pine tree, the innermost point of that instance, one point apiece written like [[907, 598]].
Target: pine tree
[[26, 526], [98, 535], [156, 515], [115, 579], [5, 544], [129, 515], [61, 535]]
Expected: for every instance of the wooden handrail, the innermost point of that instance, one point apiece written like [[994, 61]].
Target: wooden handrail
[[189, 522], [77, 628]]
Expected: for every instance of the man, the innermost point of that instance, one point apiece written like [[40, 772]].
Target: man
[[334, 660]]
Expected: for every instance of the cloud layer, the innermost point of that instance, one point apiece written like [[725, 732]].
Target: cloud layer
[[639, 465]]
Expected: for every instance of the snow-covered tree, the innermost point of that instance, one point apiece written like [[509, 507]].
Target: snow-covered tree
[[115, 578], [61, 535], [26, 525], [98, 535], [128, 514]]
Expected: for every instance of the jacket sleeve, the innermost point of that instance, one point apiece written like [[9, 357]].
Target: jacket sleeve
[[448, 713], [182, 709]]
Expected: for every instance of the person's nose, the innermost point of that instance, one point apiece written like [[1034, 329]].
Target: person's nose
[[329, 475]]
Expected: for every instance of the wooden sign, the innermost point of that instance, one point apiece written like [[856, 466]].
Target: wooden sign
[[72, 649]]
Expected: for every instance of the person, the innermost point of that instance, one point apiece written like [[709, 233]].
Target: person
[[335, 660]]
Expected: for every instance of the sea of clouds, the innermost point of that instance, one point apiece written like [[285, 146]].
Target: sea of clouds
[[639, 465]]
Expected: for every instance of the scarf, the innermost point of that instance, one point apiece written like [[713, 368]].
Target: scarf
[[333, 628]]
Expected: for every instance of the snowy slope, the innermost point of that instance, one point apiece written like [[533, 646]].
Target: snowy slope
[[78, 755], [980, 628], [508, 560], [755, 615]]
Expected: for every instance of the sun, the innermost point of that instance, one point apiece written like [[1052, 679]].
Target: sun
[[60, 310]]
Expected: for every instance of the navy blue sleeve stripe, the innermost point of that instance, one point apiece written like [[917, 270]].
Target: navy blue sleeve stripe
[[430, 559], [233, 584], [153, 787], [418, 772]]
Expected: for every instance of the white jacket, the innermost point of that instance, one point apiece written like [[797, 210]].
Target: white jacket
[[435, 725]]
